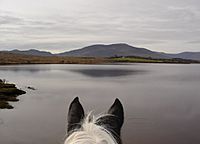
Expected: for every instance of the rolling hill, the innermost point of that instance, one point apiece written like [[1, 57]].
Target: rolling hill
[[31, 52], [112, 50], [186, 55]]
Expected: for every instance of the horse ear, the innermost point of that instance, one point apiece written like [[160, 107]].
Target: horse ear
[[75, 115], [117, 111], [114, 120]]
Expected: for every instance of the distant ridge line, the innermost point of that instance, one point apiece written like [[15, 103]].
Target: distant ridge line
[[111, 50]]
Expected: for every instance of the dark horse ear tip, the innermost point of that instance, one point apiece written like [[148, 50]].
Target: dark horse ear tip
[[118, 104], [117, 101], [76, 99]]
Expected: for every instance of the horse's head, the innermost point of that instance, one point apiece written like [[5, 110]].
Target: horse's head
[[90, 129]]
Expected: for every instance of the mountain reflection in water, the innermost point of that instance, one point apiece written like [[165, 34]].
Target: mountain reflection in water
[[107, 72]]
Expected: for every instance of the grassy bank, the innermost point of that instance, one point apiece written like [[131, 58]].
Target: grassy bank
[[8, 58], [150, 60], [8, 92]]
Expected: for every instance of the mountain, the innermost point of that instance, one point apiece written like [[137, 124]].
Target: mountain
[[32, 52], [186, 55], [113, 50]]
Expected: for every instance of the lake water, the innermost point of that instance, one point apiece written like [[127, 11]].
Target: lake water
[[161, 101]]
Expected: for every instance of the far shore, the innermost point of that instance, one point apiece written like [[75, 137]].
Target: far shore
[[16, 59]]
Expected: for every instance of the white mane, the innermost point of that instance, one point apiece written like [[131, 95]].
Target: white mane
[[90, 133]]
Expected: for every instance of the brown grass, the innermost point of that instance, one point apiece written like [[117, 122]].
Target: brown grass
[[8, 58]]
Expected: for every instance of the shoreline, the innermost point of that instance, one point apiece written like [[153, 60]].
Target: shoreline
[[8, 93], [18, 59]]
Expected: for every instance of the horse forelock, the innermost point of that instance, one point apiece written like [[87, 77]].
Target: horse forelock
[[91, 133]]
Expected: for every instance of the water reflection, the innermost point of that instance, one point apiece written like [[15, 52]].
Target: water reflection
[[25, 68], [94, 71], [1, 122], [161, 102], [107, 72]]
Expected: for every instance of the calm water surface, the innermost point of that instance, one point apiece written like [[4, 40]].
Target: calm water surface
[[161, 102]]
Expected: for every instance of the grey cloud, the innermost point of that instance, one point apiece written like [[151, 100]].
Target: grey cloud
[[194, 42], [144, 23], [9, 20]]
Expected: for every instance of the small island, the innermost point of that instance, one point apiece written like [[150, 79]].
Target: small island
[[8, 93]]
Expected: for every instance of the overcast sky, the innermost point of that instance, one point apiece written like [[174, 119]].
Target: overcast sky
[[62, 25]]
